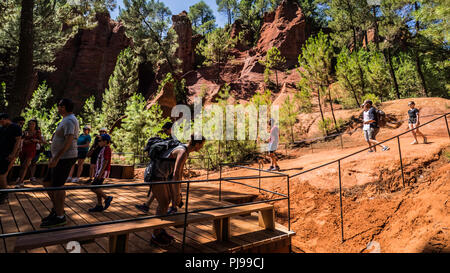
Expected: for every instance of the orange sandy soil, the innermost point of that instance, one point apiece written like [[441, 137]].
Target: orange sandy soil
[[376, 206]]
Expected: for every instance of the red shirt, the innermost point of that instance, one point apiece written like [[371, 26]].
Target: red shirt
[[103, 157]]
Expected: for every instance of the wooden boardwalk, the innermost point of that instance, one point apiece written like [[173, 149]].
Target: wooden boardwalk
[[23, 212]]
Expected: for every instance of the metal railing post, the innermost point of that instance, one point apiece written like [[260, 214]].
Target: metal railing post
[[401, 161], [289, 209], [220, 184], [446, 123], [185, 216], [340, 200], [207, 170], [259, 176], [342, 143]]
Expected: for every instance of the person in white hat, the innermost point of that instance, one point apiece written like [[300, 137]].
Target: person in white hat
[[370, 126], [83, 143]]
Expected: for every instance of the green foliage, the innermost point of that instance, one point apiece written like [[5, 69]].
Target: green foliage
[[3, 98], [288, 117], [325, 125], [374, 98], [147, 22], [139, 125], [202, 18], [123, 83], [39, 109], [179, 88], [303, 98], [378, 76], [408, 80], [216, 48], [89, 115], [227, 7], [273, 61], [315, 66], [349, 77]]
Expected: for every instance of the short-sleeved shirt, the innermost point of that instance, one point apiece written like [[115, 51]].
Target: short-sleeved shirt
[[68, 126], [103, 157], [370, 114], [83, 140], [8, 136], [413, 115]]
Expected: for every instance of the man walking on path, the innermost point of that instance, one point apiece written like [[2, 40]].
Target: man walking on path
[[10, 139], [64, 155], [370, 126]]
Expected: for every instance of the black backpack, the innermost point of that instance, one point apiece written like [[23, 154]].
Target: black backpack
[[155, 147], [381, 118]]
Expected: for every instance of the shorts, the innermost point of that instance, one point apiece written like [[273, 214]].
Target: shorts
[[58, 175], [98, 181], [4, 164], [371, 133], [272, 148], [94, 158], [82, 154]]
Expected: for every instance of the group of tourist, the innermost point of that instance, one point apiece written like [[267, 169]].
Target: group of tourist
[[68, 147]]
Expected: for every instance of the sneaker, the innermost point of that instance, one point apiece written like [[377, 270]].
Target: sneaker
[[75, 180], [52, 214], [54, 221], [97, 208], [160, 240], [414, 142], [33, 179], [172, 210], [108, 202], [370, 151], [277, 168], [69, 179], [385, 148], [144, 208], [271, 168]]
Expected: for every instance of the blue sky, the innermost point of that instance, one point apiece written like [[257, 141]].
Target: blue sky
[[177, 6]]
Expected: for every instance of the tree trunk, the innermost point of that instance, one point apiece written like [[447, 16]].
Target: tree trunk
[[388, 59], [332, 110], [24, 72], [417, 57], [353, 91], [320, 108], [276, 76]]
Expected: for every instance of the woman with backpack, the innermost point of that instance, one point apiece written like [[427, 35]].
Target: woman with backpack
[[413, 122]]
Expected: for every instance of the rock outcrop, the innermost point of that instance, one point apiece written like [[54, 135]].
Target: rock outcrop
[[86, 61], [166, 99], [185, 52]]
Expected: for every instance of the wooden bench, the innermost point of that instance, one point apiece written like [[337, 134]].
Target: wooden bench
[[118, 232]]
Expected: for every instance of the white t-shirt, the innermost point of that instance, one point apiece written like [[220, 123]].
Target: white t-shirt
[[68, 126], [366, 127]]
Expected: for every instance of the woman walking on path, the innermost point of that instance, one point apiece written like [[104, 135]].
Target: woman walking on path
[[83, 143], [413, 122], [31, 137]]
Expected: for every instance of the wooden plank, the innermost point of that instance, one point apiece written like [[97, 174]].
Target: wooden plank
[[266, 219], [113, 213], [21, 219], [72, 219], [8, 226], [35, 218]]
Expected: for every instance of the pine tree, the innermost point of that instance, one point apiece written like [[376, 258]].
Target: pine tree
[[202, 18], [347, 72], [274, 61], [315, 68], [227, 7], [288, 117], [216, 48], [147, 22], [123, 83]]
